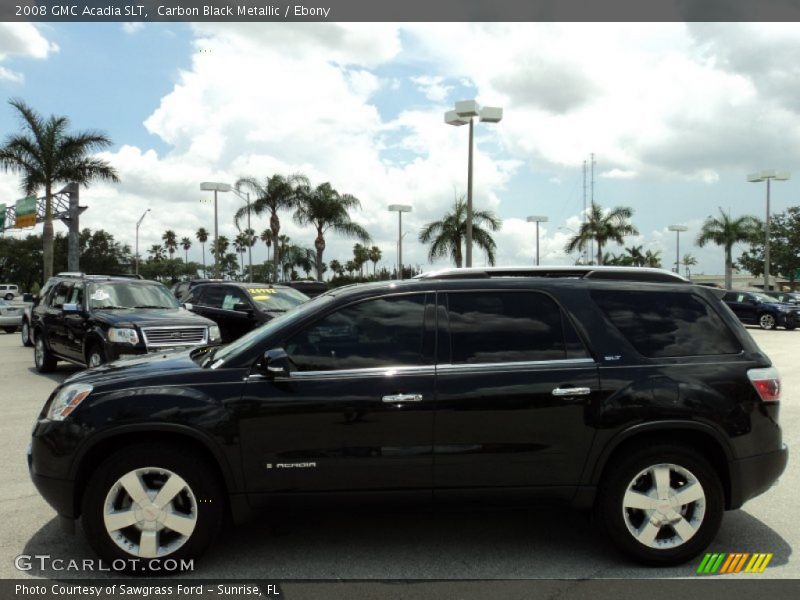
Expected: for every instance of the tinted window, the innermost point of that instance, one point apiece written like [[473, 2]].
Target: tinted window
[[493, 327], [211, 295], [111, 295], [232, 297], [663, 324], [60, 295], [384, 332]]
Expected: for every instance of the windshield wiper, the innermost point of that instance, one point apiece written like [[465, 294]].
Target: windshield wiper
[[152, 306], [111, 307]]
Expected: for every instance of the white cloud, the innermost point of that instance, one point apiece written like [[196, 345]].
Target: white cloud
[[132, 27], [432, 87], [23, 40]]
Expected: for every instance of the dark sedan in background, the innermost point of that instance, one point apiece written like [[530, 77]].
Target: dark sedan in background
[[240, 307], [758, 308]]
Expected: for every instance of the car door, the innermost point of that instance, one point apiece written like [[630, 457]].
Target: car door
[[75, 324], [513, 383], [53, 317], [356, 412]]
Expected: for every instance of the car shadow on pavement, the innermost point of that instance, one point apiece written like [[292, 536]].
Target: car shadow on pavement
[[459, 543], [60, 374]]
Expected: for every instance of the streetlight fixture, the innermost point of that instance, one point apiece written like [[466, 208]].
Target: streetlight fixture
[[400, 209], [677, 229], [464, 114], [139, 222], [767, 176], [213, 186], [246, 196], [537, 220]]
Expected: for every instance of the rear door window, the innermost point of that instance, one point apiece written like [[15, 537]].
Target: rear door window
[[508, 326], [667, 324]]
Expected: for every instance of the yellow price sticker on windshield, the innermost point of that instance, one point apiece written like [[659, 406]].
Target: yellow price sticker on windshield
[[260, 291]]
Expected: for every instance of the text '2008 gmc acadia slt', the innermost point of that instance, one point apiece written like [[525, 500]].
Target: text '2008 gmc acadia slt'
[[631, 392]]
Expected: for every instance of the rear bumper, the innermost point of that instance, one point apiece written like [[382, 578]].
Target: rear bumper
[[755, 475]]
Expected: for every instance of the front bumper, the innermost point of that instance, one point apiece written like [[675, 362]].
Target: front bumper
[[58, 493], [11, 320], [755, 475]]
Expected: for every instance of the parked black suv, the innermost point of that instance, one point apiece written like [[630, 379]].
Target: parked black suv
[[94, 319], [647, 401], [239, 307], [758, 308]]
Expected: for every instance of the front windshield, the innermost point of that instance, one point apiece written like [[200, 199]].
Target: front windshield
[[218, 357], [110, 295], [276, 299]]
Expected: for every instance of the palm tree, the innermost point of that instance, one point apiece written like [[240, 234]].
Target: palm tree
[[652, 259], [267, 237], [603, 227], [281, 245], [45, 153], [350, 266], [726, 232], [186, 243], [240, 244], [688, 261], [637, 258], [337, 268], [445, 236], [156, 252], [360, 257], [202, 237], [170, 241], [219, 252], [326, 209], [277, 193], [375, 255]]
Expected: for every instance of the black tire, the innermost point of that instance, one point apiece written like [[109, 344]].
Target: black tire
[[790, 326], [95, 356], [767, 321], [614, 519], [44, 361], [8, 297], [26, 334], [205, 500], [10, 329]]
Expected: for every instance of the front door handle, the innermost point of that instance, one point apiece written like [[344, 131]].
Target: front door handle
[[403, 398], [572, 391]]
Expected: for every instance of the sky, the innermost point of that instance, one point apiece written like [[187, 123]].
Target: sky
[[676, 116]]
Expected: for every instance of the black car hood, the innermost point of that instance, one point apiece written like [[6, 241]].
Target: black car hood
[[146, 317], [173, 361]]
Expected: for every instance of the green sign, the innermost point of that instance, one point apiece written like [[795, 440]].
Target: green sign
[[26, 212], [2, 217]]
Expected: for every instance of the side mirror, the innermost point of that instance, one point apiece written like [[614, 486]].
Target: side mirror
[[243, 307], [276, 363], [187, 305], [71, 309]]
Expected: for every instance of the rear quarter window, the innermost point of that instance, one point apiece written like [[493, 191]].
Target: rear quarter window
[[667, 324]]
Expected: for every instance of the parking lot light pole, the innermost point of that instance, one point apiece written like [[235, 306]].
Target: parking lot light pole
[[677, 229], [537, 220], [767, 175], [400, 209], [139, 222], [213, 186], [464, 114]]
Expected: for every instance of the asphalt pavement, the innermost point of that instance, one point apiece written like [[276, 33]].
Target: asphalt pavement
[[407, 544]]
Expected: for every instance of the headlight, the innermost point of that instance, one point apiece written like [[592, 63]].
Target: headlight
[[117, 334], [67, 400], [213, 333]]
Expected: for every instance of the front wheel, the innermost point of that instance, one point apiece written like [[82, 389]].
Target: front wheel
[[26, 334], [10, 329], [767, 321], [95, 357], [152, 501], [661, 505], [44, 361], [8, 297]]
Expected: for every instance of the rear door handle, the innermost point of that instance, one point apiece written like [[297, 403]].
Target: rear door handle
[[402, 398], [572, 391]]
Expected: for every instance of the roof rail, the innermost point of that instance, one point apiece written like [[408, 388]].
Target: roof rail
[[78, 275], [577, 272]]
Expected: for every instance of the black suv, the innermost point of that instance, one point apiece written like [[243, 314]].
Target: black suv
[[239, 307], [94, 319], [648, 402], [758, 308]]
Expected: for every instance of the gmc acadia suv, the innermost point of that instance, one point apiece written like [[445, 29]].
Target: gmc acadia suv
[[628, 391]]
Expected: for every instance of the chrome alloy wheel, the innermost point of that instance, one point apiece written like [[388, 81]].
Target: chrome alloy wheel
[[95, 360], [766, 321], [664, 506], [150, 512], [38, 351]]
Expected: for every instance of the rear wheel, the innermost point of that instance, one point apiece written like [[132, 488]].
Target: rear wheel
[[152, 501], [767, 321], [26, 334], [661, 505], [8, 297], [45, 362], [10, 329]]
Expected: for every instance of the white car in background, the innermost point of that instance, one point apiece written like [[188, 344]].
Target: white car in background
[[10, 316], [8, 291]]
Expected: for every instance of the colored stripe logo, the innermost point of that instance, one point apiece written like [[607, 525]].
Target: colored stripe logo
[[723, 563]]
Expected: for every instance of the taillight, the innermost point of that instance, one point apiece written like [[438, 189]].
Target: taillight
[[767, 383]]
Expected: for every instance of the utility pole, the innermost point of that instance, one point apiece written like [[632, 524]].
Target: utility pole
[[591, 252]]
